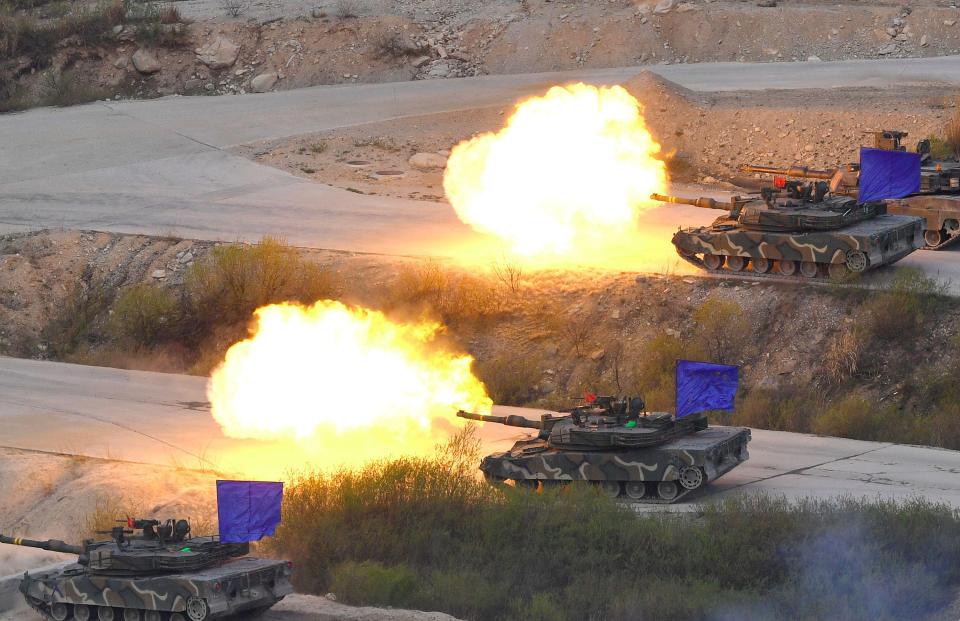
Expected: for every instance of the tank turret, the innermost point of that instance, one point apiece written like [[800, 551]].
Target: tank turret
[[614, 444], [152, 570], [937, 202]]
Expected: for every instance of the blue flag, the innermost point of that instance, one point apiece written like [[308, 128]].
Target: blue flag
[[248, 510], [888, 174], [705, 386]]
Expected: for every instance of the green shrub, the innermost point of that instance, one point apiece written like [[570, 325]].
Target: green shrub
[[373, 584], [144, 313], [234, 280], [62, 88], [452, 296], [939, 149], [722, 330], [788, 408], [73, 325], [510, 379], [899, 310]]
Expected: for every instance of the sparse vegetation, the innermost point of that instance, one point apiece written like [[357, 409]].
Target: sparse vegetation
[[346, 9], [62, 88], [104, 515], [391, 45], [143, 313], [722, 330], [235, 8], [951, 133], [510, 380], [387, 143], [318, 147], [396, 533], [450, 295]]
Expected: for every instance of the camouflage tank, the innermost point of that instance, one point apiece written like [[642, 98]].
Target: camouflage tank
[[161, 574], [937, 202], [799, 228], [645, 457]]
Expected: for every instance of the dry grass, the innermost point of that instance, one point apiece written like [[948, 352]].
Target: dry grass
[[842, 358], [952, 133], [453, 296], [108, 512], [346, 9]]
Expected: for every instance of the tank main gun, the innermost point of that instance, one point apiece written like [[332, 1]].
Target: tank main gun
[[801, 172], [54, 545], [702, 202], [512, 420]]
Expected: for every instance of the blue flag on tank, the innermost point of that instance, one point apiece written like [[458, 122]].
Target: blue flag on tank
[[705, 386], [248, 510], [888, 174]]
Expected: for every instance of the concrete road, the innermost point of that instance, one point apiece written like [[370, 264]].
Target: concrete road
[[163, 418], [162, 166]]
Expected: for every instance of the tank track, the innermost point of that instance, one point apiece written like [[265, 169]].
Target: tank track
[[820, 278], [44, 611], [682, 493], [949, 241]]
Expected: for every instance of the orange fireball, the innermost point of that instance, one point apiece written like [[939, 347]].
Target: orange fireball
[[569, 173], [348, 382]]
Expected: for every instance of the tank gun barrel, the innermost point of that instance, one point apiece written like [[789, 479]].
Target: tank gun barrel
[[704, 203], [793, 171], [512, 420], [54, 545]]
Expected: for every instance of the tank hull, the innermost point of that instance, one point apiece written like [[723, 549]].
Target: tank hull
[[235, 586], [713, 452], [866, 245], [940, 212]]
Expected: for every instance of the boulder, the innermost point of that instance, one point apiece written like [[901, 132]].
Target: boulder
[[264, 82], [665, 6], [428, 161], [219, 53], [145, 62]]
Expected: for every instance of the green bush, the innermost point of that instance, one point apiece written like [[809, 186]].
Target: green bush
[[452, 296], [62, 88], [234, 280], [144, 313], [424, 532], [898, 311], [722, 330], [785, 409], [373, 584], [510, 380]]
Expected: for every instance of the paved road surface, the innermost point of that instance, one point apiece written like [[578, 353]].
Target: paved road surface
[[162, 418], [162, 166]]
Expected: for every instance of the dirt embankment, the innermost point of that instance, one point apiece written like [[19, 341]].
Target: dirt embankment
[[554, 334], [338, 41]]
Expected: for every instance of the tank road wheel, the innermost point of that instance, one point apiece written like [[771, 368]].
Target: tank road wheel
[[808, 269], [151, 615], [857, 261], [667, 490], [761, 265], [787, 268], [81, 612], [105, 613], [610, 489], [131, 614], [197, 609], [933, 238], [838, 271], [736, 264], [691, 477], [635, 489], [713, 261], [59, 611]]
